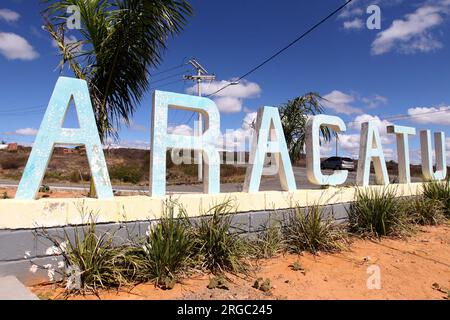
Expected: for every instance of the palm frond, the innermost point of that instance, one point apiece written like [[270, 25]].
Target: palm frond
[[122, 40]]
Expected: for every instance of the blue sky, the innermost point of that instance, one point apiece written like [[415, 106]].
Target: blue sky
[[401, 69]]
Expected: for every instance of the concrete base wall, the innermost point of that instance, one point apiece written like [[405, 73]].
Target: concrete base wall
[[20, 221], [21, 249]]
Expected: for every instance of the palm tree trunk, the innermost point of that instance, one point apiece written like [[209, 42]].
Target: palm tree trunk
[[92, 192]]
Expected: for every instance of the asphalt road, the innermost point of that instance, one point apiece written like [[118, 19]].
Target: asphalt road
[[267, 183]]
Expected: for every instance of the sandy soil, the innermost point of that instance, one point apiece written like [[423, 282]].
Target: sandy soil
[[11, 192], [415, 268]]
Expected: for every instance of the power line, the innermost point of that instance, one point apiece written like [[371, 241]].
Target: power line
[[169, 77], [168, 70], [404, 116], [166, 84], [304, 34]]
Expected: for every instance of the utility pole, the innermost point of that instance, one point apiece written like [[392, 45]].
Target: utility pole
[[202, 75], [337, 141]]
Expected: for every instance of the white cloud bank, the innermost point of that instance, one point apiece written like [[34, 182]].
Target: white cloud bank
[[9, 15], [14, 47], [23, 132], [340, 102], [439, 115], [356, 24], [413, 33], [231, 99]]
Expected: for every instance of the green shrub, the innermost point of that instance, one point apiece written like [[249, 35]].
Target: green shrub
[[268, 243], [167, 248], [217, 248], [439, 191], [310, 231], [126, 173], [377, 213], [97, 263], [13, 163], [74, 177], [424, 211]]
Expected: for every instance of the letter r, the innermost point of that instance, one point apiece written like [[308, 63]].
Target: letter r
[[161, 140]]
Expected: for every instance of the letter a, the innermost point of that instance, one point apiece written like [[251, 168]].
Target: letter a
[[268, 125], [370, 148], [51, 132]]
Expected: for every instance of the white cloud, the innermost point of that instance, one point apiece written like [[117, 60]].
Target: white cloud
[[131, 144], [229, 104], [249, 119], [9, 15], [13, 46], [412, 33], [24, 132], [374, 101], [358, 8], [381, 125], [340, 102], [182, 129], [350, 141], [229, 100], [440, 115], [238, 138], [356, 24]]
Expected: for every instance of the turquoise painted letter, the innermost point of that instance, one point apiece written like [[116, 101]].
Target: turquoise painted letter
[[269, 138], [51, 132], [161, 140]]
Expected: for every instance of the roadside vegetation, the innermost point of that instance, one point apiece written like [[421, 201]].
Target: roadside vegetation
[[378, 213], [176, 247]]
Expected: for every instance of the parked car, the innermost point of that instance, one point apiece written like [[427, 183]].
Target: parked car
[[338, 163]]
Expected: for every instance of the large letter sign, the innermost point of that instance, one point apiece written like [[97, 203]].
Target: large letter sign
[[51, 132], [313, 150], [370, 148], [427, 162], [404, 175], [268, 125], [161, 140]]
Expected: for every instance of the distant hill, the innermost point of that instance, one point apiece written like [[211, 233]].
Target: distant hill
[[128, 166]]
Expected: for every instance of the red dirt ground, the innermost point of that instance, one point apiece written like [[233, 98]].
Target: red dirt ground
[[415, 268]]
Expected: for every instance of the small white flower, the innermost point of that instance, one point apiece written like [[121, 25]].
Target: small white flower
[[52, 251], [51, 274], [33, 268], [63, 246], [74, 278]]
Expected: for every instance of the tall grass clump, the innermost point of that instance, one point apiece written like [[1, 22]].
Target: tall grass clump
[[378, 213], [309, 230], [424, 211], [439, 190], [91, 260], [216, 247], [167, 248], [268, 243]]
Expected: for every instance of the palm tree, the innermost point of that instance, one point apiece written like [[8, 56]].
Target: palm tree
[[120, 41], [294, 114]]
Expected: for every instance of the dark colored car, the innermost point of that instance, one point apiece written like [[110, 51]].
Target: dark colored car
[[338, 163]]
